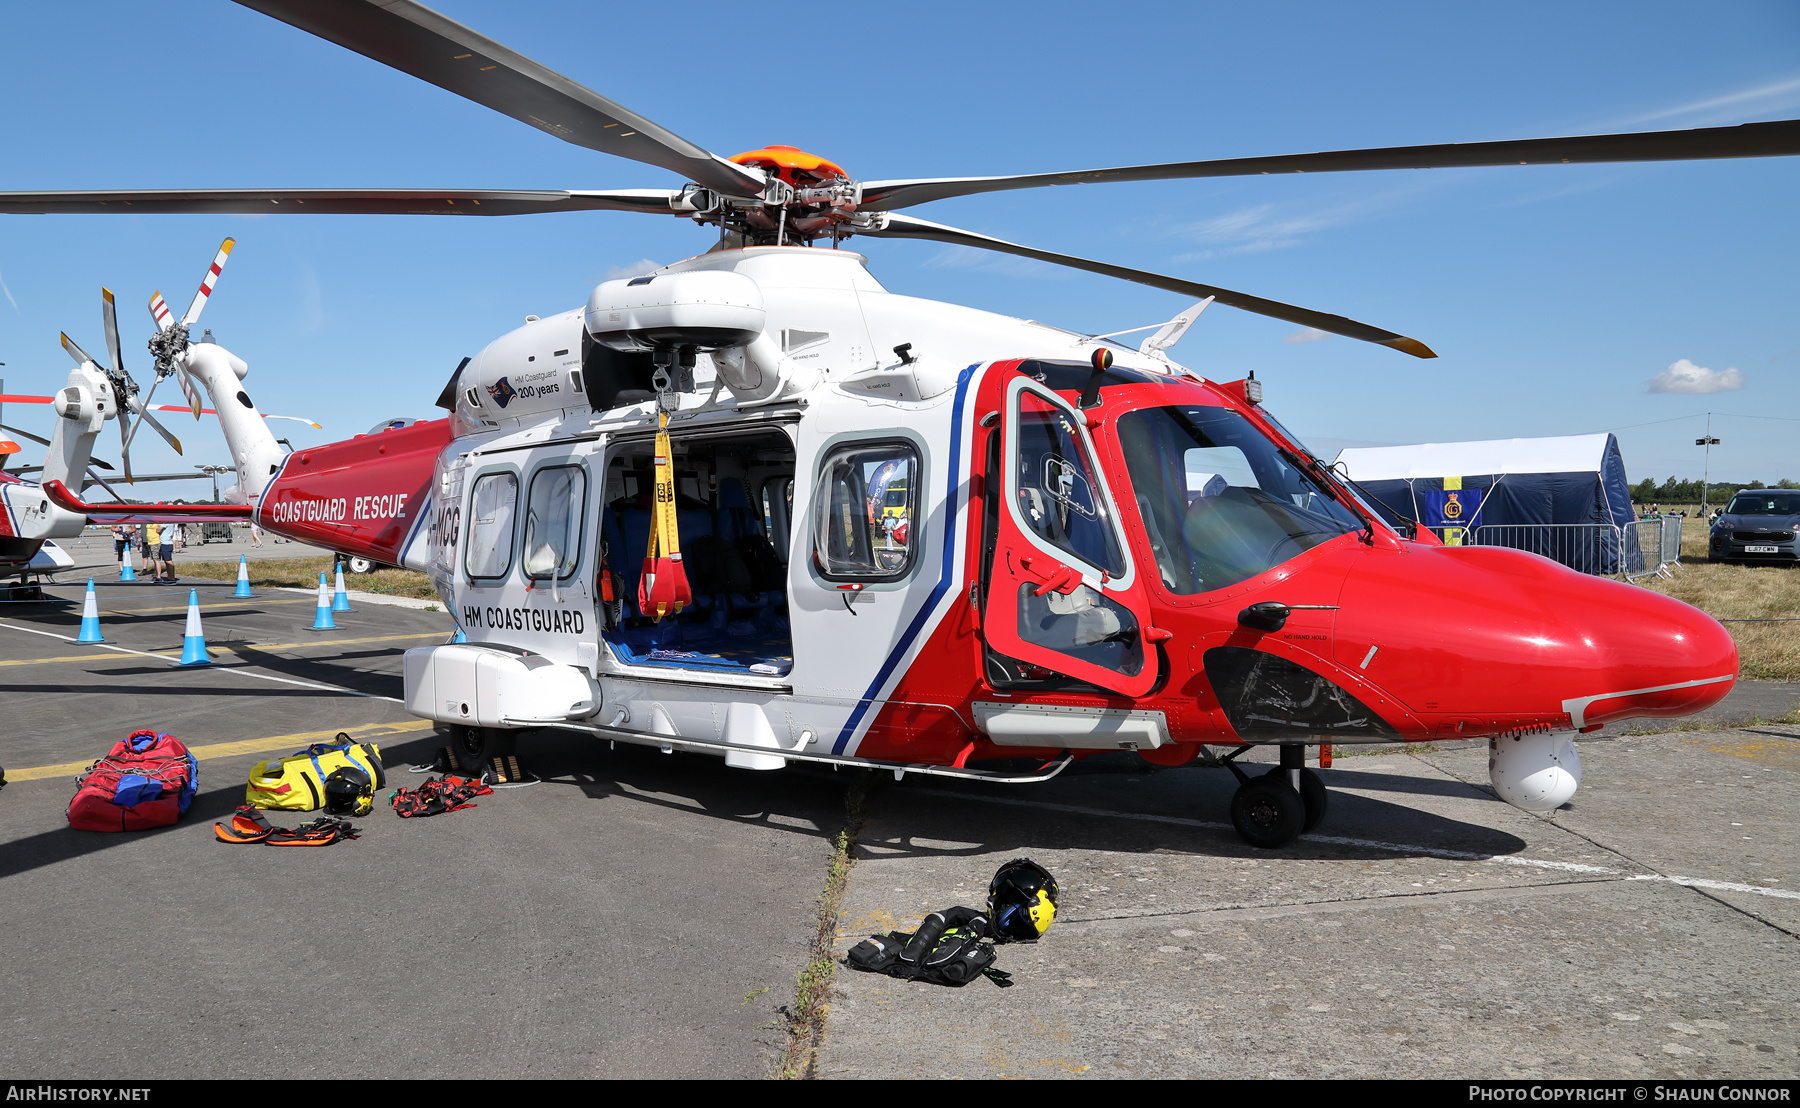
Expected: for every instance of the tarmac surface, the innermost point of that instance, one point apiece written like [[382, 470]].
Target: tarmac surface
[[645, 915], [632, 915]]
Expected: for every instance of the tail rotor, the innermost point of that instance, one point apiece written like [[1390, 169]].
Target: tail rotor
[[171, 339]]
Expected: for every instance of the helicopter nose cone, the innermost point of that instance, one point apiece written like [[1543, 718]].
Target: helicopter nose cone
[[1508, 640]]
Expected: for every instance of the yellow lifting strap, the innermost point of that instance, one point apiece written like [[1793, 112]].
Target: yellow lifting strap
[[663, 586]]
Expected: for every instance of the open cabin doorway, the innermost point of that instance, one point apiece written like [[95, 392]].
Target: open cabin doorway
[[731, 490]]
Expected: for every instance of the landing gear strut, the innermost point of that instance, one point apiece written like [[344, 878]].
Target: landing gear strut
[[1269, 811]]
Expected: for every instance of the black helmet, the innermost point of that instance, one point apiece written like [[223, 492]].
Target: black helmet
[[1021, 901], [349, 792]]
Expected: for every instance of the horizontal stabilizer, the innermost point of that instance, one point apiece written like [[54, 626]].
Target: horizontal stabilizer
[[60, 495]]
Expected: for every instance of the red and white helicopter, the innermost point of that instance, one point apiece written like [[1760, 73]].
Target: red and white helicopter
[[916, 536], [31, 520]]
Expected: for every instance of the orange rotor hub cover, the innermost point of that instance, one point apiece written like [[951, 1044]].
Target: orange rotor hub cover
[[791, 164]]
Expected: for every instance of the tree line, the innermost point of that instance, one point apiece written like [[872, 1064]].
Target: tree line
[[1674, 491]]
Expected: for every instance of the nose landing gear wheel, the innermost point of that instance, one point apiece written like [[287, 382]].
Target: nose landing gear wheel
[[1312, 794], [1267, 812]]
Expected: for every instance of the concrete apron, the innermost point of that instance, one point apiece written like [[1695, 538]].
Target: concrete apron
[[1424, 930]]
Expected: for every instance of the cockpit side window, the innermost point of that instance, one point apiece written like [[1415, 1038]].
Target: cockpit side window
[[1059, 497], [1220, 503]]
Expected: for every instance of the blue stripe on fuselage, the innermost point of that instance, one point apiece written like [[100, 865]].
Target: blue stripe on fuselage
[[944, 577]]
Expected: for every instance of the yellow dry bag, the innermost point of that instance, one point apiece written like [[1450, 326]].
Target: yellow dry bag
[[297, 783]]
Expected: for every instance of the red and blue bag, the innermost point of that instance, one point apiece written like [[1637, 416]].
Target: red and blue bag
[[147, 780]]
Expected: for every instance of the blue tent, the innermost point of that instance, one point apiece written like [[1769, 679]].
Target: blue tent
[[1565, 498]]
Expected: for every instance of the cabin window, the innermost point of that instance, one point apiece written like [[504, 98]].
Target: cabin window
[[553, 513], [865, 521], [492, 503]]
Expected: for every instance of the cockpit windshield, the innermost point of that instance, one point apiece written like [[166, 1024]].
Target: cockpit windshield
[[1219, 502]]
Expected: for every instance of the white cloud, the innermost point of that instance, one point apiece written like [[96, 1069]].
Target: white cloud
[[1263, 227], [631, 269], [1687, 378], [312, 299], [990, 261], [1307, 334], [1773, 96]]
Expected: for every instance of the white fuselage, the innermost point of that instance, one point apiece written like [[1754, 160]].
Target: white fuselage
[[832, 328]]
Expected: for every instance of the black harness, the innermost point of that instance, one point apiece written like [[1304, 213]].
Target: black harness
[[952, 947]]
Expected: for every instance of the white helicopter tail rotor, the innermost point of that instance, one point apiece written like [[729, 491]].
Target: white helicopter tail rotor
[[159, 311], [206, 284], [165, 322], [170, 343]]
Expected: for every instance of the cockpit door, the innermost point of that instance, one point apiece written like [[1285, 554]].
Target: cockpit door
[[1062, 594]]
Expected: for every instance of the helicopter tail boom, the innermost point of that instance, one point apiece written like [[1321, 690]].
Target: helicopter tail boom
[[364, 496]]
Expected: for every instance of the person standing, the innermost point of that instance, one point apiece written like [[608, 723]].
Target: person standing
[[166, 552], [153, 551], [123, 534], [255, 534]]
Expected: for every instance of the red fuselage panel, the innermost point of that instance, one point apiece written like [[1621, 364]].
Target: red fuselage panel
[[361, 496]]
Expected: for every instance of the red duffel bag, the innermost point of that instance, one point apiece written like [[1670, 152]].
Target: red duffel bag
[[146, 780]]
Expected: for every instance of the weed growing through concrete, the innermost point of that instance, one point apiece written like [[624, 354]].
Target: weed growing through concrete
[[812, 995]]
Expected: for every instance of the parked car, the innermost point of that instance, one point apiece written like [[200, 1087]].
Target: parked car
[[1758, 525]]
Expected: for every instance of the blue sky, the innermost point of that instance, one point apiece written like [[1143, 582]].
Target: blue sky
[[1554, 295]]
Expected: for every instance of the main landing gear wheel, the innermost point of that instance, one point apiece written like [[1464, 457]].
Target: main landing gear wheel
[[353, 564], [475, 747], [1312, 795], [1267, 812]]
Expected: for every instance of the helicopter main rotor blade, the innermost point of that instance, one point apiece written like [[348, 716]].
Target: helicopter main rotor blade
[[109, 317], [101, 462], [1749, 140], [906, 227], [146, 417], [339, 202], [414, 39], [149, 396], [74, 350], [95, 479], [207, 282], [27, 435]]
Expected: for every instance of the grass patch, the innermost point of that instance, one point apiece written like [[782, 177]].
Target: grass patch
[[1791, 719], [812, 993], [303, 573], [1766, 651]]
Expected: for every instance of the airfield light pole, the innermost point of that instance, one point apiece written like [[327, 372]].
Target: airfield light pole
[[1706, 467], [213, 472]]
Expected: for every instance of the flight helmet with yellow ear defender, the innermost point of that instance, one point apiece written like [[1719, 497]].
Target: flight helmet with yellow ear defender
[[1021, 901], [349, 792]]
